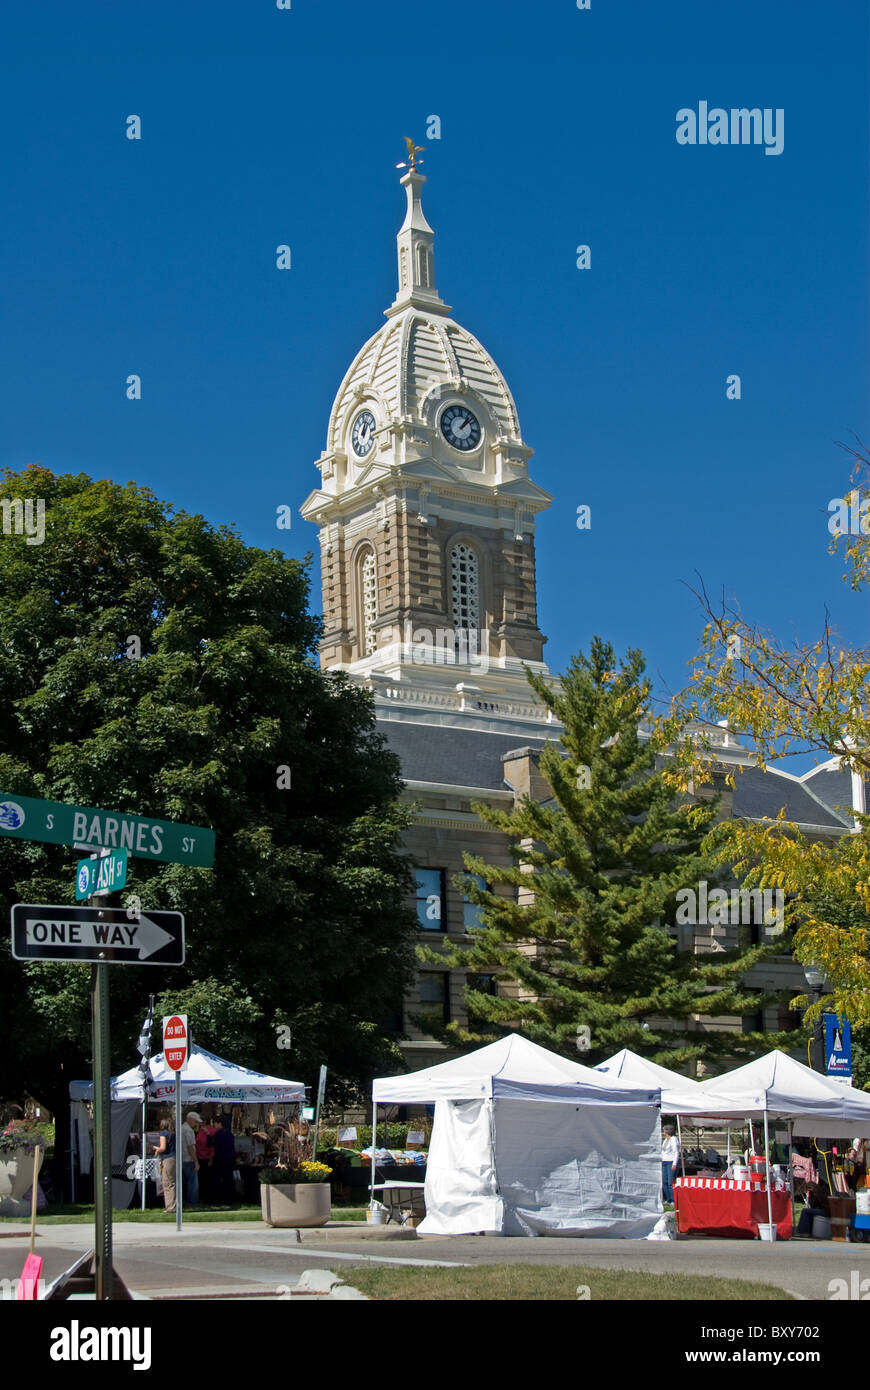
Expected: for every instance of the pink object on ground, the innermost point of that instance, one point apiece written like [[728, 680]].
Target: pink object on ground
[[28, 1284]]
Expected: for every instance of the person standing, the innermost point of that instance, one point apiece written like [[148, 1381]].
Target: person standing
[[165, 1152], [223, 1164], [189, 1161], [670, 1155]]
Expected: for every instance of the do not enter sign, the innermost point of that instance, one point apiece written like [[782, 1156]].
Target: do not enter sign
[[176, 1041]]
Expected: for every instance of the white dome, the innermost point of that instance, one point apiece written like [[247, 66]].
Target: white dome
[[417, 360]]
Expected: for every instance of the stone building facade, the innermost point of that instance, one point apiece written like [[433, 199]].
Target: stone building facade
[[426, 516]]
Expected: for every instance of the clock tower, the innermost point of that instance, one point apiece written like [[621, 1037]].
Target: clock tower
[[425, 508]]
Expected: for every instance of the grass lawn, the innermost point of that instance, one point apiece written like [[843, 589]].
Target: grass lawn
[[79, 1214], [551, 1282]]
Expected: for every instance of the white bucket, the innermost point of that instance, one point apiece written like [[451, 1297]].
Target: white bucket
[[376, 1215], [862, 1201], [821, 1228], [740, 1173], [766, 1232]]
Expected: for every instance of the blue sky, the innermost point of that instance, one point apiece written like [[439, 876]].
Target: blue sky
[[262, 127]]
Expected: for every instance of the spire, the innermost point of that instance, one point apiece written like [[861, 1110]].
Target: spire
[[414, 244]]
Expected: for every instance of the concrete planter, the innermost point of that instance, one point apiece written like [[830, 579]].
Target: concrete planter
[[16, 1177], [295, 1203]]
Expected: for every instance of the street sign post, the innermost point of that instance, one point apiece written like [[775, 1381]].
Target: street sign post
[[97, 877], [176, 1051], [56, 823], [103, 935]]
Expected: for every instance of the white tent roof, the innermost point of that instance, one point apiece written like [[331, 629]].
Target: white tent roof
[[778, 1085], [680, 1095], [513, 1068], [206, 1077]]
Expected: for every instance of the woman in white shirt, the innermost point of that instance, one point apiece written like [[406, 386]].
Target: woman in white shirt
[[670, 1155]]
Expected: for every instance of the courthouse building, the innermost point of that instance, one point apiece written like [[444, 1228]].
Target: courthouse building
[[426, 515]]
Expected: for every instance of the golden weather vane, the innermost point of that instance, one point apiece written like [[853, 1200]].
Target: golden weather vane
[[413, 151]]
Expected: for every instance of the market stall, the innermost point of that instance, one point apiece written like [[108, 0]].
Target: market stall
[[772, 1088], [226, 1090], [529, 1143]]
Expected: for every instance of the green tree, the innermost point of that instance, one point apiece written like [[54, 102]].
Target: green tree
[[791, 699], [155, 664], [585, 938]]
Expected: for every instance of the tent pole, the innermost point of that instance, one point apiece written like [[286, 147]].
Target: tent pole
[[72, 1154], [767, 1169], [374, 1137], [144, 1149], [791, 1164], [680, 1142]]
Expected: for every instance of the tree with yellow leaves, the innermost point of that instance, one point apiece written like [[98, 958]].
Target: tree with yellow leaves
[[793, 700]]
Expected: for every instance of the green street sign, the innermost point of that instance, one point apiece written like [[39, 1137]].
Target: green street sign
[[96, 877], [55, 822]]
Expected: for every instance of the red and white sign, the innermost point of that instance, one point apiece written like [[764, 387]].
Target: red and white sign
[[176, 1041]]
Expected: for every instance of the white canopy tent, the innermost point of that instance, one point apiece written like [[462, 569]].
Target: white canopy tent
[[777, 1087], [680, 1095], [206, 1077], [529, 1143]]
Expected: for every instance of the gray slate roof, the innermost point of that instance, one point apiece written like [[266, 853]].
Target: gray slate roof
[[759, 795], [458, 757], [473, 758]]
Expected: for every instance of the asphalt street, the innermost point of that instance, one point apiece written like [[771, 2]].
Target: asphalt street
[[248, 1260]]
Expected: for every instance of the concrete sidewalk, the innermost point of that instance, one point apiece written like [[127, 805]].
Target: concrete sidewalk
[[249, 1260]]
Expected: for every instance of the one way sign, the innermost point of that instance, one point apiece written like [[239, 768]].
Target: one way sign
[[110, 935]]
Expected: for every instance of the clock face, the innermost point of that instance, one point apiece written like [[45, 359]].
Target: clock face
[[460, 428], [363, 434]]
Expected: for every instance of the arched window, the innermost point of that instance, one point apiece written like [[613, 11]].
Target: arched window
[[423, 266], [368, 601], [465, 588]]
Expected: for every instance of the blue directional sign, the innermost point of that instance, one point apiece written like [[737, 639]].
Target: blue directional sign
[[838, 1046], [96, 877]]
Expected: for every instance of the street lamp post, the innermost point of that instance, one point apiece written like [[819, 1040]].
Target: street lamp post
[[815, 978]]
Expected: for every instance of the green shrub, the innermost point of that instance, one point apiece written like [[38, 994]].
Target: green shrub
[[390, 1136]]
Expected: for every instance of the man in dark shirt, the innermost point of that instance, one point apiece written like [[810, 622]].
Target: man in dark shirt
[[223, 1164]]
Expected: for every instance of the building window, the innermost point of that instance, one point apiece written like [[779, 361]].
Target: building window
[[465, 588], [368, 601], [431, 915], [434, 997], [482, 984], [472, 915]]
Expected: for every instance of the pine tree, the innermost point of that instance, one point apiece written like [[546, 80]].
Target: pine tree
[[586, 941]]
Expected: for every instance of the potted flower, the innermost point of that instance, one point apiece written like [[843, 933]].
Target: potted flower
[[297, 1196], [18, 1143]]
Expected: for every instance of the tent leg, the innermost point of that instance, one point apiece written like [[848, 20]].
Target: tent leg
[[144, 1150], [791, 1165], [767, 1170], [680, 1142], [72, 1154], [374, 1140]]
